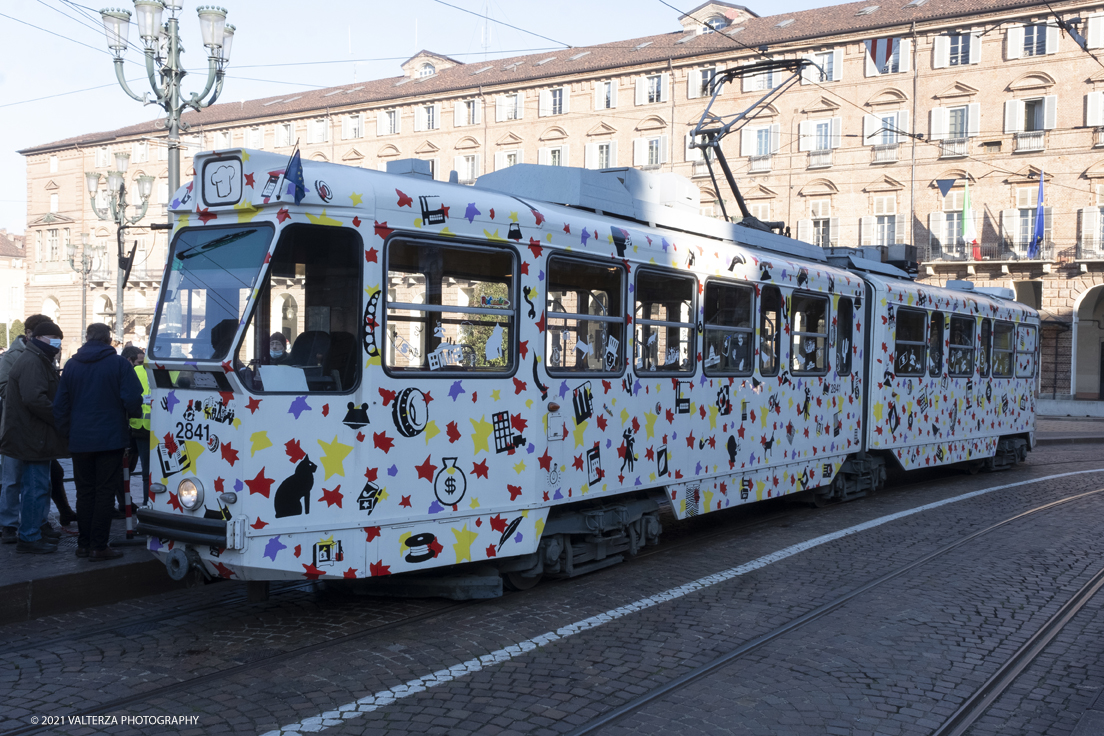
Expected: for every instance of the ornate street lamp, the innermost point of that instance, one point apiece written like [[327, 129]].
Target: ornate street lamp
[[115, 211], [89, 255]]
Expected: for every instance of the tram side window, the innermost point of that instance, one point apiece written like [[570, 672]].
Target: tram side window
[[303, 334], [770, 332], [664, 317], [1026, 349], [962, 347], [450, 308], [985, 347], [935, 345], [586, 317], [845, 334], [809, 349], [728, 330], [910, 343], [1003, 349]]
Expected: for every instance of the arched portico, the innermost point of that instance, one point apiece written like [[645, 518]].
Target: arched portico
[[1086, 369]]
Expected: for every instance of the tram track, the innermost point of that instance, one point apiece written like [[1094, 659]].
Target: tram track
[[969, 712]]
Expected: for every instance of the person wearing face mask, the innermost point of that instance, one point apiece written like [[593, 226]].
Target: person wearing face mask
[[277, 350], [29, 433], [98, 394]]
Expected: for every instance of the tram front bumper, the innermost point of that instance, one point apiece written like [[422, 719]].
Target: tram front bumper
[[180, 528]]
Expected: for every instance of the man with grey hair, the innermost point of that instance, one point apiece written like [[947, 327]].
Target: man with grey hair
[[99, 392]]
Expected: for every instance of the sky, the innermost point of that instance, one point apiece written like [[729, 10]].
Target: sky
[[57, 78]]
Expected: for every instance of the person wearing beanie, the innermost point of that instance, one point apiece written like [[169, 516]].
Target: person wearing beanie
[[278, 350], [29, 434]]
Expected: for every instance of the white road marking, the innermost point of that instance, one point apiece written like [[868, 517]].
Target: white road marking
[[383, 698]]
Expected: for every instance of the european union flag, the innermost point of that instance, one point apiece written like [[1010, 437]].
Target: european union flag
[[294, 176]]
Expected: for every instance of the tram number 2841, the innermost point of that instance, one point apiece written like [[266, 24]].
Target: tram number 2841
[[196, 431]]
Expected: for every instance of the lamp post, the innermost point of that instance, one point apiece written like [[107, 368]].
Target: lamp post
[[161, 42], [89, 254], [115, 211]]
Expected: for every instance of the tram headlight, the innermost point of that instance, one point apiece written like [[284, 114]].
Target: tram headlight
[[190, 493]]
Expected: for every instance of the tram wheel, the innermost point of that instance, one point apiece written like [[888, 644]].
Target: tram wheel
[[517, 581]]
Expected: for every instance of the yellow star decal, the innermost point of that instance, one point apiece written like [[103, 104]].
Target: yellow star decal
[[357, 198], [474, 503], [649, 424], [245, 155], [713, 412], [708, 506], [236, 423], [260, 441], [624, 416], [494, 235], [323, 219], [333, 461], [520, 467], [548, 237], [513, 217], [878, 409], [194, 450], [584, 489], [182, 220], [578, 432], [495, 394], [483, 430], [539, 526], [246, 211], [464, 539], [431, 431], [528, 403], [446, 232], [417, 222]]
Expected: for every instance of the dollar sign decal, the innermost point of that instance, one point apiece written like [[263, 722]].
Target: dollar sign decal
[[450, 486]]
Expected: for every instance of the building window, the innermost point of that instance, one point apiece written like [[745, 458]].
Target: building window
[[222, 139], [1035, 39], [284, 134], [654, 152], [318, 131], [715, 23], [255, 138], [958, 122], [821, 211], [825, 61], [469, 168], [604, 156], [103, 157], [885, 232], [605, 95], [959, 50], [763, 81], [763, 142], [888, 136], [430, 112], [353, 126], [707, 75], [53, 164], [1026, 227], [469, 113], [426, 70], [557, 101], [822, 136], [139, 152], [513, 107], [555, 157], [52, 245], [53, 202], [510, 158], [655, 88], [1034, 114], [952, 217], [391, 122]]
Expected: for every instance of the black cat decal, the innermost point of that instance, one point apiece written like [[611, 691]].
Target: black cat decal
[[293, 496]]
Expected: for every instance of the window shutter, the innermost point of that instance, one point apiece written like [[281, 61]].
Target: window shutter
[[903, 121], [747, 83], [836, 127], [936, 223], [871, 125], [899, 233], [613, 92], [544, 103], [590, 156], [1050, 112], [747, 142], [346, 128], [641, 90], [598, 96], [1026, 197], [458, 114], [810, 73], [973, 120], [866, 229], [1094, 109], [640, 151], [500, 161], [664, 87], [381, 123], [1090, 228], [837, 65], [520, 155], [613, 154], [975, 48], [833, 231], [565, 155], [692, 154], [805, 136], [1052, 39], [693, 84], [1013, 116], [1008, 225], [805, 230], [500, 108], [664, 147], [941, 52], [1013, 42], [1048, 224], [419, 118], [871, 67], [775, 138], [904, 55], [566, 99], [436, 116], [479, 109], [938, 129], [543, 156], [1094, 34], [459, 167]]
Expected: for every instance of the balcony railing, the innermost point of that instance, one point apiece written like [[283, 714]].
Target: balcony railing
[[953, 147], [1000, 250], [700, 169], [1033, 140], [885, 154], [1100, 136], [1090, 249], [820, 159], [758, 164]]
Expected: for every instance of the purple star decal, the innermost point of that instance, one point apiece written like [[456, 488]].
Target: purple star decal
[[751, 458], [299, 406], [171, 401], [155, 544], [609, 444], [697, 468], [393, 471], [531, 448], [273, 547], [563, 389], [540, 276], [636, 387], [518, 538], [175, 204], [585, 236], [436, 508], [471, 212], [638, 482], [557, 495], [703, 379], [456, 390], [665, 244], [238, 485]]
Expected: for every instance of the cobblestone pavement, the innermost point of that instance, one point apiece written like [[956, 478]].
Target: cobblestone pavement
[[898, 659], [1068, 427]]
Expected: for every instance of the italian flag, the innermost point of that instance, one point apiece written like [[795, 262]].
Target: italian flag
[[969, 231]]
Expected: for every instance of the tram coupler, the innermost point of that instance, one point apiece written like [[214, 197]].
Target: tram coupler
[[180, 561]]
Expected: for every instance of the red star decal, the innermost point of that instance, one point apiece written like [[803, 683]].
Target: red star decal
[[356, 220], [404, 200], [223, 570], [249, 179], [515, 491], [371, 533], [332, 498], [538, 216], [226, 396], [453, 432], [540, 323], [525, 267], [567, 228], [545, 461], [606, 386], [498, 523], [405, 502], [387, 396], [426, 469], [260, 484], [282, 214], [479, 469], [258, 524], [378, 569], [360, 436], [523, 348], [170, 443], [294, 451], [205, 216], [325, 410], [229, 454], [371, 474], [519, 386], [253, 404], [445, 210], [371, 256], [311, 572], [670, 416], [220, 485], [602, 422], [350, 574], [490, 551], [435, 546], [740, 432], [382, 230], [382, 441], [690, 440], [535, 247], [175, 502], [298, 550], [578, 462], [518, 423]]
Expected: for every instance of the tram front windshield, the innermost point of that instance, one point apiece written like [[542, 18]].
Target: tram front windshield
[[211, 276]]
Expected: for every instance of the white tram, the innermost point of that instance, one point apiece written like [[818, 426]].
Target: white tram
[[524, 372]]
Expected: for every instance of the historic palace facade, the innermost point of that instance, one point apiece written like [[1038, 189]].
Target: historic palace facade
[[993, 92]]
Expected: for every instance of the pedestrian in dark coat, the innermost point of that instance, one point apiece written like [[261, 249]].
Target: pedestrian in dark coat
[[28, 431], [99, 393]]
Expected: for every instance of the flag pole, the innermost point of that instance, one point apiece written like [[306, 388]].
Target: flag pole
[[280, 189]]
